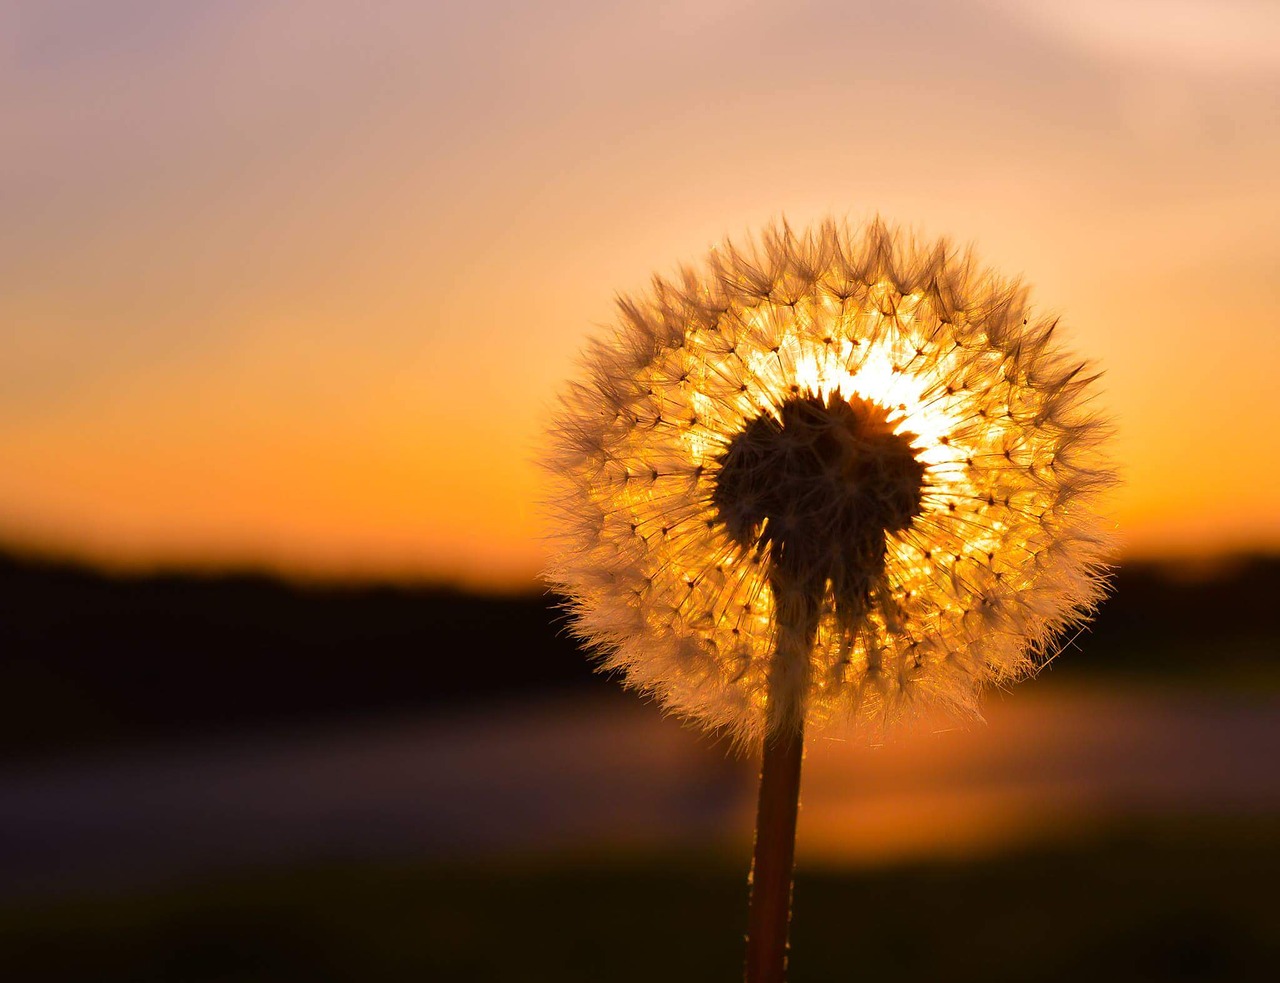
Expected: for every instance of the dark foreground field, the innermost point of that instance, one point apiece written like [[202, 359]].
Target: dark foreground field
[[239, 779], [1160, 902]]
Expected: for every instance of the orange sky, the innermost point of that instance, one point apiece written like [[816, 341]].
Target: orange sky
[[284, 285]]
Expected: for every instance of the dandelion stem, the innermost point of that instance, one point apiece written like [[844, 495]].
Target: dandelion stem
[[774, 856]]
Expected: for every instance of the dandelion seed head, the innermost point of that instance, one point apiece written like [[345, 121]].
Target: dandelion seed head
[[834, 477]]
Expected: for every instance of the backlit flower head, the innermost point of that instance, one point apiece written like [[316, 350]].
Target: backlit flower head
[[829, 479]]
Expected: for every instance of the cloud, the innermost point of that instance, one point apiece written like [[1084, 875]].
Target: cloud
[[1235, 36]]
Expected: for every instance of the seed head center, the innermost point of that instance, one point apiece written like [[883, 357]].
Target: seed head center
[[816, 489]]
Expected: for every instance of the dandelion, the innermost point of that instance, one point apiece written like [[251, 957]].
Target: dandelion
[[823, 483]]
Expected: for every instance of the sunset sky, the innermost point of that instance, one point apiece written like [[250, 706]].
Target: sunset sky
[[295, 284]]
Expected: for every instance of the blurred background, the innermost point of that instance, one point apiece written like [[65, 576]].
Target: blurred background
[[286, 293]]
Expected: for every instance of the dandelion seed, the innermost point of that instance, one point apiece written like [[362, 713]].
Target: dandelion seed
[[825, 482]]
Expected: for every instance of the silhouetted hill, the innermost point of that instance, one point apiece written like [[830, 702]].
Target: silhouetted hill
[[87, 657], [1187, 621]]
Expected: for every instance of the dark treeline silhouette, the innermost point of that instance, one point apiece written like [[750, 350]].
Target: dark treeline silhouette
[[87, 656], [90, 658]]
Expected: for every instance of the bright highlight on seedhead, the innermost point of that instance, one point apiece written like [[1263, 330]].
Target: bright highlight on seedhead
[[826, 481]]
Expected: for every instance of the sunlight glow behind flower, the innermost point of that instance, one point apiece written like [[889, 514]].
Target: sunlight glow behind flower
[[876, 433]]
